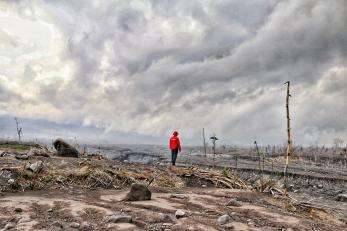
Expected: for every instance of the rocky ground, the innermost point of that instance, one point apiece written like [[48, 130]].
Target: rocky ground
[[40, 191]]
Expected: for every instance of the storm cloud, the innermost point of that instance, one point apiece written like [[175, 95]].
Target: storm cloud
[[148, 67]]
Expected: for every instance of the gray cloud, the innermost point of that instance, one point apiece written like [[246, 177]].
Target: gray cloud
[[148, 67]]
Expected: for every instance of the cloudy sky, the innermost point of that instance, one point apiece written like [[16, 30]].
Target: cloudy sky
[[133, 71]]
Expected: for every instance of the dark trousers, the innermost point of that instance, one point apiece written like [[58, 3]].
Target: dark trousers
[[174, 153]]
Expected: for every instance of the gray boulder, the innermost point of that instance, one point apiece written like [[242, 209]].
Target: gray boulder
[[180, 213], [138, 192], [37, 152], [118, 219], [35, 167], [341, 197], [222, 220], [64, 149]]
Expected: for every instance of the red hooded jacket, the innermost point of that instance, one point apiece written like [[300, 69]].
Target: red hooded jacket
[[175, 142]]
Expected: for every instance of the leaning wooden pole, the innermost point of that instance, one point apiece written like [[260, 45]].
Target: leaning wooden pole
[[289, 144], [203, 135]]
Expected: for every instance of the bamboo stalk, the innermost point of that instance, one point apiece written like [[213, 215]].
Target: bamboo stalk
[[289, 145], [203, 135], [260, 170]]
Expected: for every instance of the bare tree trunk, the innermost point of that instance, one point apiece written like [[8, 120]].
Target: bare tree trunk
[[289, 146], [203, 135], [19, 129], [236, 161], [214, 153]]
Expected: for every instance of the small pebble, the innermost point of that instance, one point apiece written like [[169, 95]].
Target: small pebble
[[75, 225], [180, 213], [223, 219], [57, 224], [9, 226], [24, 220], [18, 210]]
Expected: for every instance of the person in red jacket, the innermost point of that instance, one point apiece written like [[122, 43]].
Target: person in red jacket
[[175, 147]]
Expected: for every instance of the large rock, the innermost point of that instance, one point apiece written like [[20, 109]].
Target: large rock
[[138, 192], [64, 149]]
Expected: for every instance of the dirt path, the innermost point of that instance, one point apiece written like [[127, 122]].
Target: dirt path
[[90, 210]]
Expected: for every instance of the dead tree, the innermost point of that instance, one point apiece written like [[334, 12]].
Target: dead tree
[[214, 138], [203, 136], [289, 144], [19, 129]]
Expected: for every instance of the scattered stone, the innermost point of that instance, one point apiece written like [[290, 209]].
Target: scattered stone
[[204, 186], [85, 226], [118, 219], [223, 219], [37, 152], [9, 226], [138, 192], [179, 196], [75, 225], [58, 224], [233, 202], [6, 178], [251, 223], [7, 154], [341, 197], [24, 220], [64, 149], [139, 223], [166, 225], [50, 210], [180, 213], [35, 167], [320, 186], [289, 229], [22, 157], [18, 210]]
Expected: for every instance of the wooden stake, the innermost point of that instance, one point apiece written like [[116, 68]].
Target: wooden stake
[[260, 171], [236, 161], [203, 135], [289, 145]]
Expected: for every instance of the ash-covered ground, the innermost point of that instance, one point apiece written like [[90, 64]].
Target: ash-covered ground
[[41, 191]]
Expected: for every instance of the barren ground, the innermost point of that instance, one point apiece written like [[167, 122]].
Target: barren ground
[[81, 194]]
